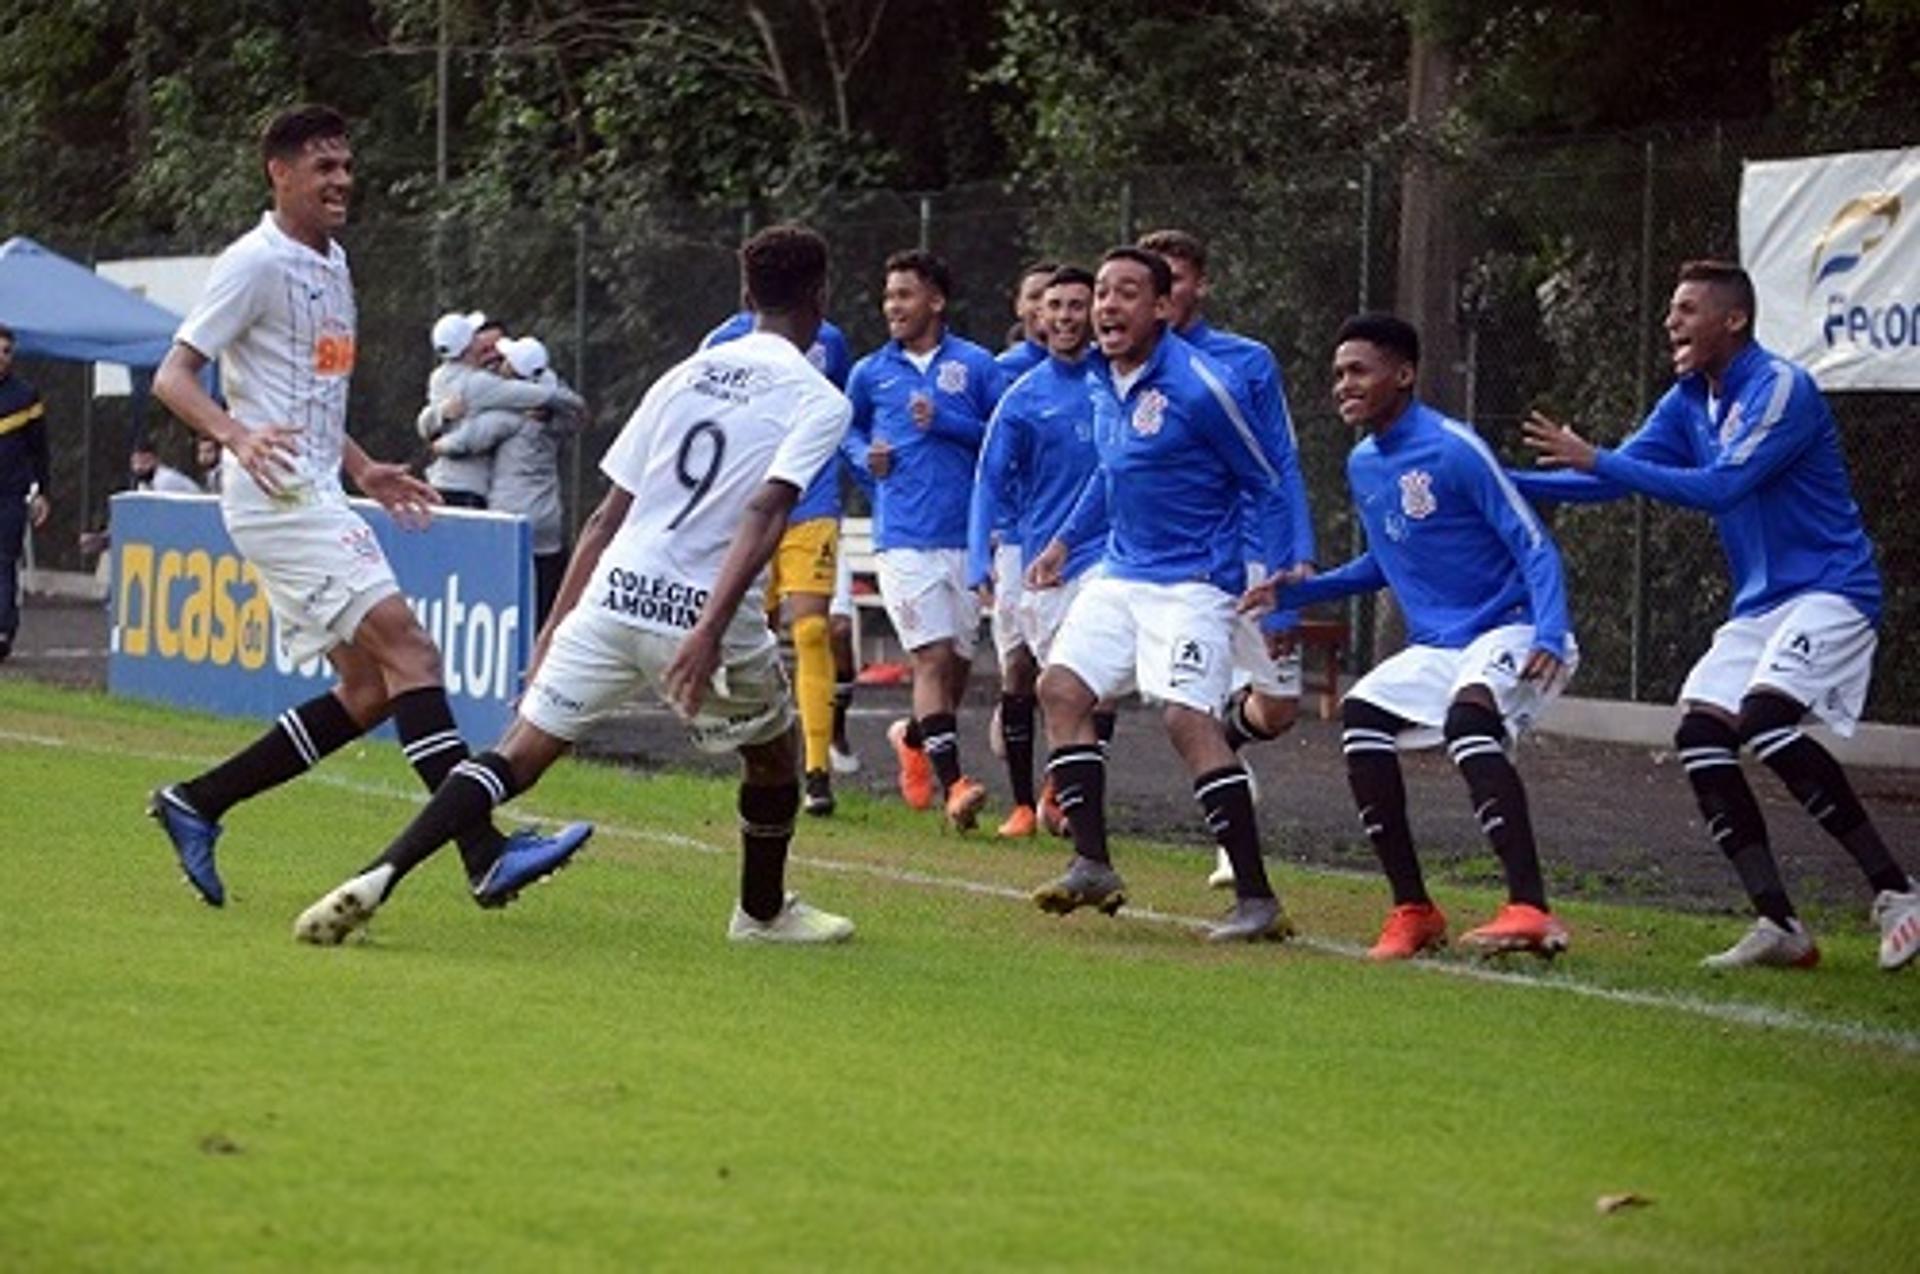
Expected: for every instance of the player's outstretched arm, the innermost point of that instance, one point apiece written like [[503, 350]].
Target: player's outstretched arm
[[762, 523], [393, 486]]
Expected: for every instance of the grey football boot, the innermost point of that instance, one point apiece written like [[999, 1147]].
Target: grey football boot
[[1253, 920], [1086, 884]]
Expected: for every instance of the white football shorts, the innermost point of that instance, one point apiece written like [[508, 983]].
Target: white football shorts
[[1008, 636], [927, 598], [842, 603], [1421, 682], [321, 567], [1816, 648], [1043, 610], [595, 663], [1172, 642], [1253, 667]]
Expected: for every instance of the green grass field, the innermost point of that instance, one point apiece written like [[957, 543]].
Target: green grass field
[[595, 1078]]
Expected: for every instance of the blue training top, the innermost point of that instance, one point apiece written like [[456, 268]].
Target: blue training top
[[1037, 457], [1176, 454], [1450, 535], [1765, 462], [922, 502]]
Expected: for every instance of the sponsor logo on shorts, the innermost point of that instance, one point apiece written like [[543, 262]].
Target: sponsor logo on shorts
[[554, 699], [1189, 662], [1149, 413], [362, 544], [951, 377], [1416, 494], [652, 598], [1795, 655], [1504, 663]]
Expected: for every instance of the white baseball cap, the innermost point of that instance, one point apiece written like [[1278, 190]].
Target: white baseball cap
[[452, 333], [525, 354]]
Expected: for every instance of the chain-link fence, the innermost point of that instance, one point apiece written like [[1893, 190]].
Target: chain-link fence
[[1560, 259]]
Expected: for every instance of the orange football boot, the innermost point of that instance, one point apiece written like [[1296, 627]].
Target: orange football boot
[[1411, 928], [916, 772], [1518, 926], [964, 801], [1052, 817], [1021, 822]]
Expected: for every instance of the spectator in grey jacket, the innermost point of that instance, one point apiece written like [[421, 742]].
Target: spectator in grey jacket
[[468, 348], [526, 459]]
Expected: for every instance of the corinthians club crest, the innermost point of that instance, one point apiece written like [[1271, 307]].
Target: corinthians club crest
[[1416, 494], [952, 377], [1149, 413]]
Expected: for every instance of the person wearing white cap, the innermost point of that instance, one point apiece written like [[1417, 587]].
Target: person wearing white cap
[[525, 447], [466, 343]]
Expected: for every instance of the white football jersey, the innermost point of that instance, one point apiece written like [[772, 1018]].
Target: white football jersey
[[279, 317], [708, 434]]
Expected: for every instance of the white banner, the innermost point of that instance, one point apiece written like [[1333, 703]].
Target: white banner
[[1833, 245]]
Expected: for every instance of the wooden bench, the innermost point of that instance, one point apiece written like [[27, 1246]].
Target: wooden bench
[[870, 622], [1328, 639]]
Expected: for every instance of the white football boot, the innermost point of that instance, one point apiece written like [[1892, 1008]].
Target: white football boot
[[796, 923], [344, 909], [1898, 916], [1771, 945]]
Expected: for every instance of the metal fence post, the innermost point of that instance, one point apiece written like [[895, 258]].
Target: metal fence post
[[1126, 211], [926, 222], [1360, 607], [1637, 660], [578, 441]]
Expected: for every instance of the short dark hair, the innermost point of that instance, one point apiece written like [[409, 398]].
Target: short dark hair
[[1183, 244], [783, 267], [1156, 265], [1035, 267], [1071, 274], [288, 133], [931, 269], [1730, 279], [6, 334], [1388, 331]]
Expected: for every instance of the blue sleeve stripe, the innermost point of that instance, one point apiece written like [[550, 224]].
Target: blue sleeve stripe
[[1776, 408], [1232, 408], [1521, 509]]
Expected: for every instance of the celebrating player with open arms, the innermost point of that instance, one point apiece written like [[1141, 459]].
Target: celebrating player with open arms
[[1480, 583], [278, 312], [1745, 437]]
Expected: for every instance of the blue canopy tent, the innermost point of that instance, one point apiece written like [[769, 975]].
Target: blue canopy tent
[[60, 309]]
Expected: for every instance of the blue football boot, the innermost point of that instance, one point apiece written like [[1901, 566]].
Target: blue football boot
[[193, 838], [526, 859]]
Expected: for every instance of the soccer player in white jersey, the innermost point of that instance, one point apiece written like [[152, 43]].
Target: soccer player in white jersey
[[1745, 436], [664, 588], [278, 313]]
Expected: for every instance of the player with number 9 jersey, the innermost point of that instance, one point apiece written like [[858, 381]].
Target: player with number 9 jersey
[[704, 439]]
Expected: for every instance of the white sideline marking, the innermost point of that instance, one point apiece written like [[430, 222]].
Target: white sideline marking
[[1729, 1011]]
